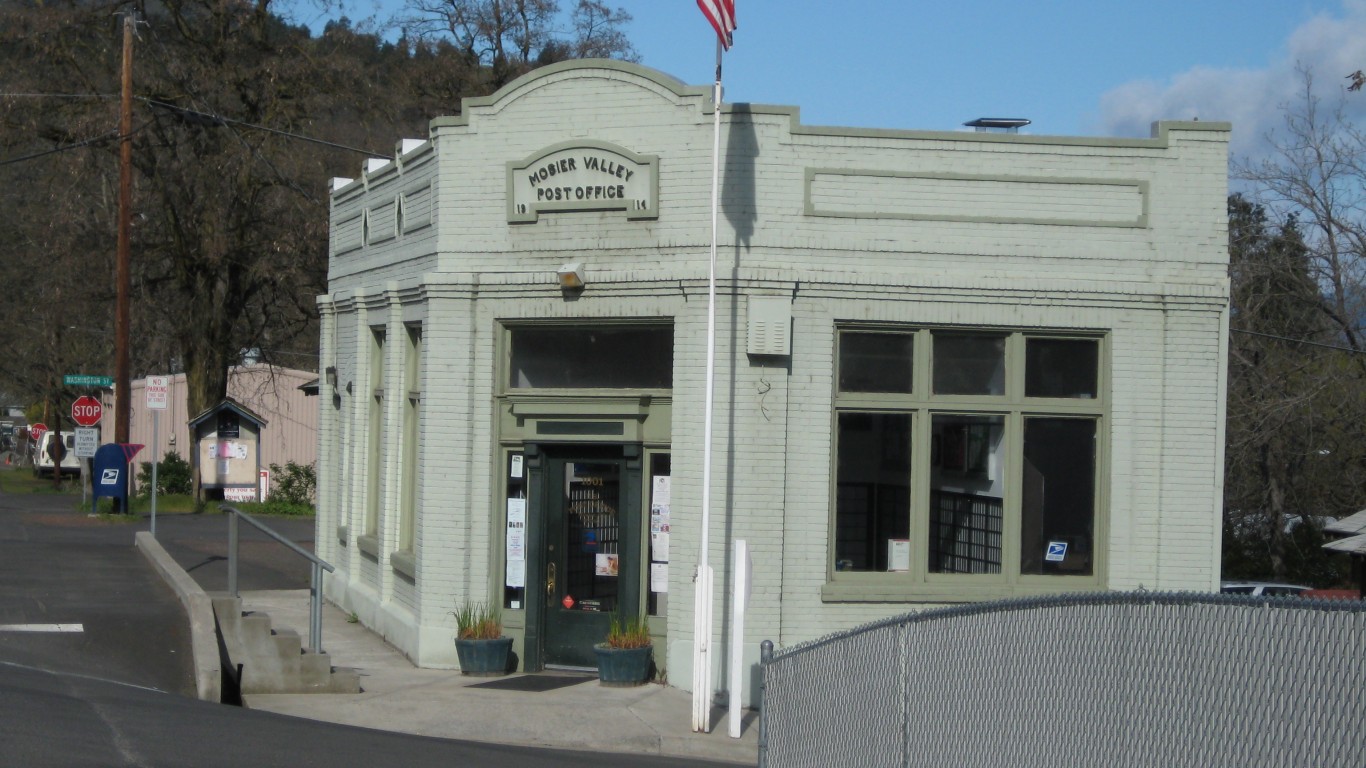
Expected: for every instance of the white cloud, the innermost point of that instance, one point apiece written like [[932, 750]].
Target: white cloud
[[1329, 46]]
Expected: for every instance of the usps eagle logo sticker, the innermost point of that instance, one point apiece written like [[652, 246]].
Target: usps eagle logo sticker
[[109, 477], [1057, 551]]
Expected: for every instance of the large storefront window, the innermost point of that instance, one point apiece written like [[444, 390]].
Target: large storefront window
[[966, 456]]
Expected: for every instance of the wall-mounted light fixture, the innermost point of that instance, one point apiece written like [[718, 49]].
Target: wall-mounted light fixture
[[571, 275]]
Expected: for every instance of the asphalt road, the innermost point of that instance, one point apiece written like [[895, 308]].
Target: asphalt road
[[59, 566], [120, 691], [50, 720]]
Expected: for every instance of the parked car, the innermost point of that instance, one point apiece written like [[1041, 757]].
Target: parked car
[[69, 464], [1262, 588]]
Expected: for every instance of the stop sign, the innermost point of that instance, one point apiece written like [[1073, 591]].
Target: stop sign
[[36, 431], [86, 411]]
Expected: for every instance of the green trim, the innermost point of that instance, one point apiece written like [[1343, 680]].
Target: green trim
[[603, 406], [1140, 221], [886, 592], [919, 584]]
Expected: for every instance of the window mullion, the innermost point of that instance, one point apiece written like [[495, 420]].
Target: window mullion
[[1010, 524], [920, 496]]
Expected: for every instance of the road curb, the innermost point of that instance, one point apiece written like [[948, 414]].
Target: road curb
[[208, 674]]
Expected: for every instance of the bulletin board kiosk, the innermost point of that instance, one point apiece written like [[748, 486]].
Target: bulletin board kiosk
[[227, 452]]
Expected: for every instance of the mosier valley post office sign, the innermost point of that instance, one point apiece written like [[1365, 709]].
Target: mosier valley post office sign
[[584, 176]]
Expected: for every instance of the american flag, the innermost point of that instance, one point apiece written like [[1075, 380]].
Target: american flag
[[721, 14]]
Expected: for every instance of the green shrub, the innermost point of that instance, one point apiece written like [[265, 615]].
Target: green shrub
[[174, 475], [631, 633], [295, 484], [478, 621], [274, 507]]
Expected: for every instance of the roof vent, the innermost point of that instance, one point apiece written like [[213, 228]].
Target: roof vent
[[998, 124]]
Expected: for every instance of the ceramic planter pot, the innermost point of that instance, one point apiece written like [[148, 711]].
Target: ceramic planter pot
[[484, 658], [622, 667]]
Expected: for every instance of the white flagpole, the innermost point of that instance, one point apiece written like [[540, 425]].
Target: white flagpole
[[702, 591]]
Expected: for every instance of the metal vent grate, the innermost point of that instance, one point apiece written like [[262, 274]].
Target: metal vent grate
[[770, 326]]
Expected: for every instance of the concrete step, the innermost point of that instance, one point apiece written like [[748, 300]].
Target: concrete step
[[274, 660]]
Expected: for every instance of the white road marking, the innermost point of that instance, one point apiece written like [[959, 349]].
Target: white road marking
[[42, 627]]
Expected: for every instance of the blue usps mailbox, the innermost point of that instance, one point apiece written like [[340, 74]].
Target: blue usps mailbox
[[110, 475]]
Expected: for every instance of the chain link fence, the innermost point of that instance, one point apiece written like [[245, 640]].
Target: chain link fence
[[1103, 679]]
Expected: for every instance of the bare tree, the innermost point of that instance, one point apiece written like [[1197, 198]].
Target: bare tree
[[1317, 172], [1296, 452], [500, 40]]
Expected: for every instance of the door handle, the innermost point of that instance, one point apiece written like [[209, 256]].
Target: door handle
[[550, 580]]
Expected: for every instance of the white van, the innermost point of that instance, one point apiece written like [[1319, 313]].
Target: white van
[[70, 464]]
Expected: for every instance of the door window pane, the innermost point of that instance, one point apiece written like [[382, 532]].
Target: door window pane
[[969, 364], [592, 499], [1061, 367], [607, 358], [875, 362], [1057, 523], [967, 492], [873, 493]]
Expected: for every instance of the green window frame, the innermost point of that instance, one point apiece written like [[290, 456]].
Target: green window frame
[[968, 463], [375, 426]]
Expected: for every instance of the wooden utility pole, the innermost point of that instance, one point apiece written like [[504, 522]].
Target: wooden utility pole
[[122, 393]]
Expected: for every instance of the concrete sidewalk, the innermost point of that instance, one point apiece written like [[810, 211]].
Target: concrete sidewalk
[[396, 696]]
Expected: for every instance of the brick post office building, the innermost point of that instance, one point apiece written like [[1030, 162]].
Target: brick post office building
[[950, 367]]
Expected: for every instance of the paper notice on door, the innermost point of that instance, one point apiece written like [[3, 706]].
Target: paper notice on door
[[516, 573], [605, 565], [659, 546], [659, 577], [659, 490], [516, 530]]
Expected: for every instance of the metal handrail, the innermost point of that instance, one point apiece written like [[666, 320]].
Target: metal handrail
[[315, 590]]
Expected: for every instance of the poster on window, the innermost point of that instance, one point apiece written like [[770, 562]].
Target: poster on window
[[659, 490], [898, 554], [659, 577], [605, 565], [659, 518], [516, 543], [516, 573]]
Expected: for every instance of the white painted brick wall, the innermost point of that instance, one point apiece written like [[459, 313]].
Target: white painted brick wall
[[1158, 291]]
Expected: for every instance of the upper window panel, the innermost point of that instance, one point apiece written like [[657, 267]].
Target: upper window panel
[[600, 358], [969, 363], [875, 362], [1061, 368]]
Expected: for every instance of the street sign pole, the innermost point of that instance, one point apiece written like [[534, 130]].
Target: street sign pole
[[156, 443], [157, 390]]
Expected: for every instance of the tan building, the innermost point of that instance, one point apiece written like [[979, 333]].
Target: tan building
[[273, 393]]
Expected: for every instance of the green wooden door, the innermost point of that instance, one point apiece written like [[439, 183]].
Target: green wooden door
[[591, 550]]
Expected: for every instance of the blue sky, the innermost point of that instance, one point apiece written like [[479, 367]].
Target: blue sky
[[1097, 68]]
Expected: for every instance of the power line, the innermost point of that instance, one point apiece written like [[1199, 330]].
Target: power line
[[1299, 341], [206, 119], [210, 120], [96, 140], [59, 95]]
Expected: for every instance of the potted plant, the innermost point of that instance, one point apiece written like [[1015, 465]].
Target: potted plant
[[479, 641], [624, 660]]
